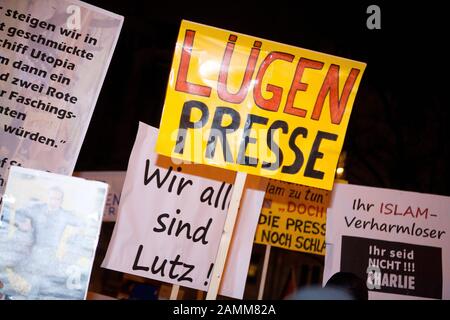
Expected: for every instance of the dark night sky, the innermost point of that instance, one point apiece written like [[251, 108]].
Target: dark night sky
[[397, 136]]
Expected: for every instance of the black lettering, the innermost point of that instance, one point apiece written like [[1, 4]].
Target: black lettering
[[349, 223], [182, 226], [246, 140], [161, 267], [219, 132], [186, 123], [184, 276], [216, 203], [276, 149], [298, 162], [183, 184], [156, 174], [136, 261], [161, 223], [316, 154], [174, 264], [204, 231], [207, 195]]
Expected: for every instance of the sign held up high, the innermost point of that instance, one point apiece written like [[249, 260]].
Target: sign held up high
[[293, 217], [256, 106], [53, 61], [49, 230], [395, 241], [171, 218]]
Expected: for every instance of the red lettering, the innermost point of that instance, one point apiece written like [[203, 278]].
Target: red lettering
[[182, 84], [331, 86], [273, 103], [297, 85], [291, 207], [222, 87]]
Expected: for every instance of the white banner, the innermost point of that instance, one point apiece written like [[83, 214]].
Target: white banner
[[54, 56], [115, 181], [171, 219], [397, 242]]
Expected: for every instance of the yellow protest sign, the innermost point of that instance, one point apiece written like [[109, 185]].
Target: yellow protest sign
[[257, 106], [293, 217]]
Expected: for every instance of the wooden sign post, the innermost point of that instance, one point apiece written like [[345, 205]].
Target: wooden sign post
[[227, 234], [174, 292], [262, 283]]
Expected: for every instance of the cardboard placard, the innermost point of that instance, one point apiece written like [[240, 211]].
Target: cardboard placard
[[53, 61], [252, 105], [171, 219], [395, 241], [293, 217], [115, 181]]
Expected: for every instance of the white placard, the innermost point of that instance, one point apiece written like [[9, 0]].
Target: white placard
[[54, 56], [395, 241], [115, 181], [171, 219]]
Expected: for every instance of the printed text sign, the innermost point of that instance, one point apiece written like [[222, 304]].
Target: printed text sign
[[396, 241], [53, 60], [253, 105], [293, 217]]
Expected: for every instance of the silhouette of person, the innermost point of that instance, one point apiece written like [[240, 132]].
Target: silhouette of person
[[349, 282], [341, 286]]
